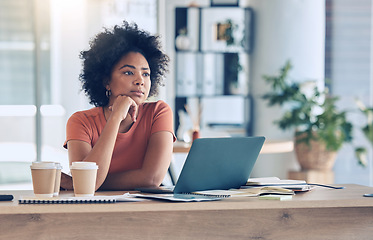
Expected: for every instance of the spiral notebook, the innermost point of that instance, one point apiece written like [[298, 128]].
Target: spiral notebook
[[182, 197], [73, 200]]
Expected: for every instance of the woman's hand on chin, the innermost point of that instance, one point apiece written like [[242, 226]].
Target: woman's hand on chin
[[124, 105]]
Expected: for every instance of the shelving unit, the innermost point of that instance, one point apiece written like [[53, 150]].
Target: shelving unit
[[212, 46]]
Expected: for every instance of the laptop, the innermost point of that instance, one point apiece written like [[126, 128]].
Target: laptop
[[215, 164]]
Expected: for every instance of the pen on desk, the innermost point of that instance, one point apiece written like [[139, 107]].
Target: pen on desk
[[326, 186], [6, 197], [305, 184]]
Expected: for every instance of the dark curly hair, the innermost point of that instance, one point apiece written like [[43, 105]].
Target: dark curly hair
[[108, 47]]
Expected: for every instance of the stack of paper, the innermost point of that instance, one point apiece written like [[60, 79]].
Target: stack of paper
[[295, 185], [248, 192]]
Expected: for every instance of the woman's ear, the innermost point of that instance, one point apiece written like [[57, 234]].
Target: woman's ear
[[106, 83]]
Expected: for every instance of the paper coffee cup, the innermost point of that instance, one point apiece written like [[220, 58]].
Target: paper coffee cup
[[57, 182], [43, 178], [84, 178]]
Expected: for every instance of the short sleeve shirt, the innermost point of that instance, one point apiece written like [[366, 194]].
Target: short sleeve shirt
[[130, 147]]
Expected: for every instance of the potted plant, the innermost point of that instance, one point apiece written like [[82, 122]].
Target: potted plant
[[367, 130], [320, 127]]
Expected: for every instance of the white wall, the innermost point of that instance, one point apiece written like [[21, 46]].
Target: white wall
[[284, 30]]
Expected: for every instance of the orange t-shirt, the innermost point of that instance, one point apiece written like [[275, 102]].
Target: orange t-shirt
[[130, 147]]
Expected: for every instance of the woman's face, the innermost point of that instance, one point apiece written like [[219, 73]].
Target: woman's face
[[130, 77]]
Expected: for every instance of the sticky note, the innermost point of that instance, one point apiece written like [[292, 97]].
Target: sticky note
[[276, 197]]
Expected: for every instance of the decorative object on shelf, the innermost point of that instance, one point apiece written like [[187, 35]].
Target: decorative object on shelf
[[182, 41], [196, 119], [320, 127], [225, 29], [181, 132], [195, 134], [187, 28], [193, 4], [224, 3], [367, 129], [233, 68]]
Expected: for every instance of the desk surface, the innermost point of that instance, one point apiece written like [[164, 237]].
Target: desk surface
[[320, 214]]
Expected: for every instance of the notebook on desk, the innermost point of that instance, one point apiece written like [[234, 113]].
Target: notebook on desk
[[215, 163]]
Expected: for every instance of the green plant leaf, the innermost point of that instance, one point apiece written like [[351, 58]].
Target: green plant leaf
[[315, 115]]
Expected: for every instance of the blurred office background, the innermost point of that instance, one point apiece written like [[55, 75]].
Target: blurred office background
[[40, 41]]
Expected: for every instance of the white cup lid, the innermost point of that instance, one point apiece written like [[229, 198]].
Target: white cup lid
[[84, 165], [58, 165], [43, 165]]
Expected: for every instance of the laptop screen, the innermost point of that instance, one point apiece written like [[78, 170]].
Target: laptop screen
[[218, 163]]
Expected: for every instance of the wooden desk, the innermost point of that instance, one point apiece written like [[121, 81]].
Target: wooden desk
[[268, 147], [320, 214]]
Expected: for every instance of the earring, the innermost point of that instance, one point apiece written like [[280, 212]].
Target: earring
[[108, 93]]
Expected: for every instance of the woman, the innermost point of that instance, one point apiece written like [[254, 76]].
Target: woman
[[130, 140]]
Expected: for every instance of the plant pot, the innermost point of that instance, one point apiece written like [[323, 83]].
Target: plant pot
[[314, 156]]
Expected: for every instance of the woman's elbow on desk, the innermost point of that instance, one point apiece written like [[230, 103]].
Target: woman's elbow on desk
[[131, 180], [148, 180]]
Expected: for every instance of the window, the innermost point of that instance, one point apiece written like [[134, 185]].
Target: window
[[348, 64], [17, 47], [20, 58], [33, 119]]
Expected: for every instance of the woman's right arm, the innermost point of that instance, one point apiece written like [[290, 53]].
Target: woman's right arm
[[102, 151]]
